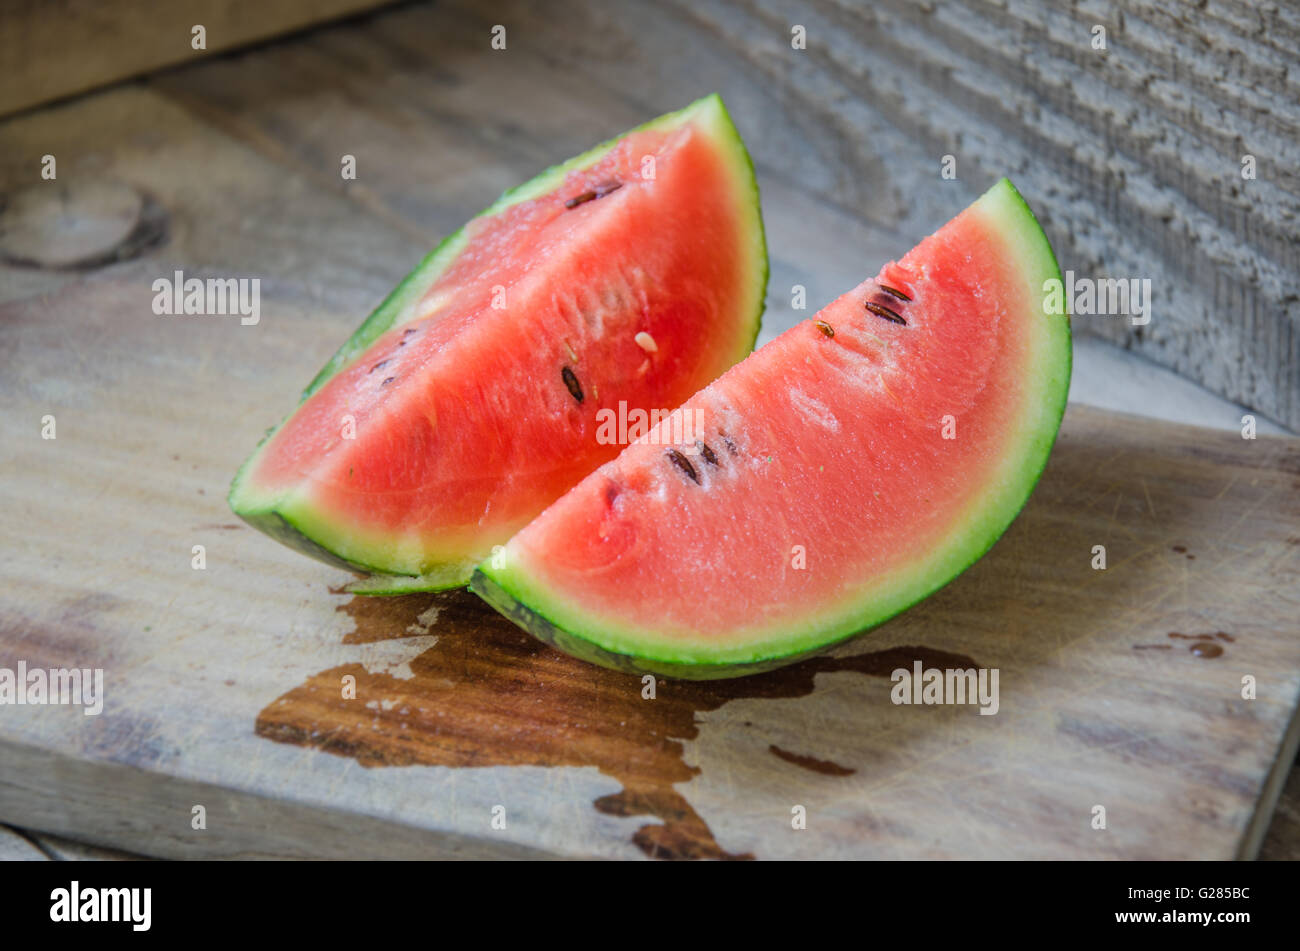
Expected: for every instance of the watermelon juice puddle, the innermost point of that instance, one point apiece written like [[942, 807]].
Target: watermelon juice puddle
[[487, 694]]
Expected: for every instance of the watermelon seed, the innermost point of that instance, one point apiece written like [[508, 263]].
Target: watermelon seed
[[825, 328], [880, 310], [707, 453], [731, 446], [646, 342], [893, 293], [571, 381], [600, 191], [408, 331], [388, 380], [681, 462], [379, 365], [569, 350]]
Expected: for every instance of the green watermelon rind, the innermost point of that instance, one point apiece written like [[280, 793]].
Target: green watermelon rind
[[541, 627], [291, 529], [592, 639]]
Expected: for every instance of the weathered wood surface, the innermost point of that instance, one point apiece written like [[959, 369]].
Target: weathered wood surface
[[15, 846], [223, 682], [23, 845], [55, 48], [1132, 156]]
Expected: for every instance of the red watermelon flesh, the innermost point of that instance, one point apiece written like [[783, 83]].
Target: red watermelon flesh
[[843, 472], [634, 273]]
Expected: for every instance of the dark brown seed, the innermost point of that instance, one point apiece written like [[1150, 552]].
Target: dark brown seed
[[825, 328], [731, 446], [681, 462], [600, 191], [379, 366], [708, 454], [880, 310], [408, 331], [894, 293], [571, 381], [388, 380]]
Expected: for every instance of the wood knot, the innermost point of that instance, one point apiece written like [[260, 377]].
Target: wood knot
[[57, 226]]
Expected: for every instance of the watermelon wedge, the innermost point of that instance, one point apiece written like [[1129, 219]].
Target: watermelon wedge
[[471, 398], [840, 474]]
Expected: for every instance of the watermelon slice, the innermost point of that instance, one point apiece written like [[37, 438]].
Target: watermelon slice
[[471, 398], [845, 471]]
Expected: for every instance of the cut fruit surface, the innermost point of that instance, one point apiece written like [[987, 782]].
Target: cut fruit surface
[[472, 397], [840, 474]]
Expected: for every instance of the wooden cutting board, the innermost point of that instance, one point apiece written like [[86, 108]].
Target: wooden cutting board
[[224, 685]]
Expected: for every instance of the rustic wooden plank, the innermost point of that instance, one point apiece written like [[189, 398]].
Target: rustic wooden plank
[[68, 850], [55, 48], [223, 683], [1108, 377], [450, 693], [17, 847]]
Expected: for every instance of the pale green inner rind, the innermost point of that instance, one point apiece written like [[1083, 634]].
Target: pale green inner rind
[[292, 511], [881, 599], [445, 577]]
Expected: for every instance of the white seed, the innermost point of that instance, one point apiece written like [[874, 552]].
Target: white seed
[[646, 342]]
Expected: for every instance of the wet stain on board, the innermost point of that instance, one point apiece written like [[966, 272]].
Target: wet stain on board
[[1203, 645], [488, 694]]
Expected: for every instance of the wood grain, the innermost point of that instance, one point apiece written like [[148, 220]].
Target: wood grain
[[55, 48], [224, 685], [15, 846]]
